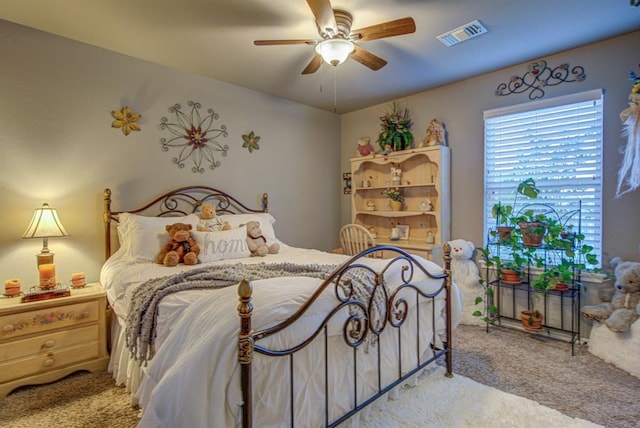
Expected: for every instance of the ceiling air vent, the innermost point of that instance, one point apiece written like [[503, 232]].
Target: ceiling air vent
[[462, 33]]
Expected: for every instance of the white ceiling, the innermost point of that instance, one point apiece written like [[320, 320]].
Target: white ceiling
[[214, 38]]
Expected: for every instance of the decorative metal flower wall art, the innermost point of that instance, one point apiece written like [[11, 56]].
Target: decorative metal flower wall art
[[195, 137], [125, 120], [538, 76], [251, 142]]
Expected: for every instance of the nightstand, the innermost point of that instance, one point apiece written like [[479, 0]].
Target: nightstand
[[44, 341]]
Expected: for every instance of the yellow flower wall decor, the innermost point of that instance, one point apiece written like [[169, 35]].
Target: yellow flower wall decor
[[126, 120], [251, 141]]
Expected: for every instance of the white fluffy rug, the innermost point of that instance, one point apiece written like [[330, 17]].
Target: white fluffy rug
[[458, 402]]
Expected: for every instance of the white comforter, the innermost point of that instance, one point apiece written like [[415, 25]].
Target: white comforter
[[194, 381]]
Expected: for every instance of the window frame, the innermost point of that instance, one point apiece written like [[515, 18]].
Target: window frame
[[591, 216]]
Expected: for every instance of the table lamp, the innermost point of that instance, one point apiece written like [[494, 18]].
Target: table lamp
[[45, 224]]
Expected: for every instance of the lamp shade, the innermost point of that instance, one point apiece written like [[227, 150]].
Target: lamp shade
[[335, 51], [45, 224]]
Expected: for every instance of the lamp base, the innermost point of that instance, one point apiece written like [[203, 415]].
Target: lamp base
[[44, 258]]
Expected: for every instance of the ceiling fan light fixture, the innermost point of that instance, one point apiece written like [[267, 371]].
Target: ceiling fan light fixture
[[335, 51]]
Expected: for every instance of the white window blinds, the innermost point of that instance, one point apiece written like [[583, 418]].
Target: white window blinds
[[557, 142]]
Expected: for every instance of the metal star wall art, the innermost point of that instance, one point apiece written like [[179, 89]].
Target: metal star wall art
[[195, 136]]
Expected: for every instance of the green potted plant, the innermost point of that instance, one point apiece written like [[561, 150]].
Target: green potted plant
[[567, 254], [533, 227], [532, 318], [504, 213], [395, 133]]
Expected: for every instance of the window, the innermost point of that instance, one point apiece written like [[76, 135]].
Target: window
[[557, 142]]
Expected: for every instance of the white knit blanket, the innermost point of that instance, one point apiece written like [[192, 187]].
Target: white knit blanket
[[141, 319]]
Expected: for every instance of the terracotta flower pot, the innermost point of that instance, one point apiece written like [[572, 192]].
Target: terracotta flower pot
[[530, 322], [532, 233], [504, 233], [510, 276]]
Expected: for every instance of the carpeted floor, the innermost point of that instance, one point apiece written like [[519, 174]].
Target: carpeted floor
[[582, 386]]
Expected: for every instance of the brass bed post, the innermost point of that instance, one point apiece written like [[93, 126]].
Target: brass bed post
[[106, 217], [245, 351], [449, 345]]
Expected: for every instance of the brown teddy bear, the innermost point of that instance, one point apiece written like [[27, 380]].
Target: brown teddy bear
[[622, 310], [209, 222], [181, 248], [257, 243]]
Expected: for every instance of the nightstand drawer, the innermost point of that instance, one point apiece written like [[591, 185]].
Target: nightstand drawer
[[48, 342], [46, 361], [37, 321]]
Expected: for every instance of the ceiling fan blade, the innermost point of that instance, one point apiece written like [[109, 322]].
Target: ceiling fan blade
[[285, 42], [323, 12], [368, 59], [386, 29], [314, 65]]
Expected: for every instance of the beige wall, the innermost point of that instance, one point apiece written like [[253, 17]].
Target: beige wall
[[460, 106], [58, 147]]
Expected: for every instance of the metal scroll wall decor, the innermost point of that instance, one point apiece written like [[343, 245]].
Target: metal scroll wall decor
[[540, 76], [194, 136]]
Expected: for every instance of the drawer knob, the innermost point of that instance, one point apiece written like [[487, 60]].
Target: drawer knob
[[84, 314], [8, 328], [49, 343], [48, 362]]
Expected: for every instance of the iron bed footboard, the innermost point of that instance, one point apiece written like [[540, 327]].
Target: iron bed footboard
[[361, 322]]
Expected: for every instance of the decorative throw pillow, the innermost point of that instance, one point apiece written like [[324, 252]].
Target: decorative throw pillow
[[142, 237], [222, 245]]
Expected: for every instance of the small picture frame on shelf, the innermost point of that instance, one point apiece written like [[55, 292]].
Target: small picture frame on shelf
[[404, 231]]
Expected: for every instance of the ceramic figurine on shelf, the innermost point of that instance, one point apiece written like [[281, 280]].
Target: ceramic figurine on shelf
[[371, 206], [436, 135], [396, 175], [395, 234], [372, 231], [430, 238], [426, 205]]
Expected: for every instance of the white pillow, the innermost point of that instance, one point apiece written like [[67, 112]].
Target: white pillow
[[221, 245], [266, 221], [143, 237]]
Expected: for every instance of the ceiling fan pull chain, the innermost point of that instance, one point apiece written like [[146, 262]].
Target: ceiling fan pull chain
[[335, 78]]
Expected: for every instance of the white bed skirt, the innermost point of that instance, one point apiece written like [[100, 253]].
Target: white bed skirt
[[125, 370]]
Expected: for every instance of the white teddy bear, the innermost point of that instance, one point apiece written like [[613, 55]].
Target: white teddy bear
[[465, 274]]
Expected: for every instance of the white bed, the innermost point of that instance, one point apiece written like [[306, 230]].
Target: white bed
[[196, 376]]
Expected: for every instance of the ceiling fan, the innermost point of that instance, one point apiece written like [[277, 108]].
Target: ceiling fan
[[339, 42]]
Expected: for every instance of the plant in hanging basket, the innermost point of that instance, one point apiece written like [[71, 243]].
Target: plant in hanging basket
[[395, 131]]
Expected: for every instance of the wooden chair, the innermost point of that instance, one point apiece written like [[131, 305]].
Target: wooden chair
[[355, 239]]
